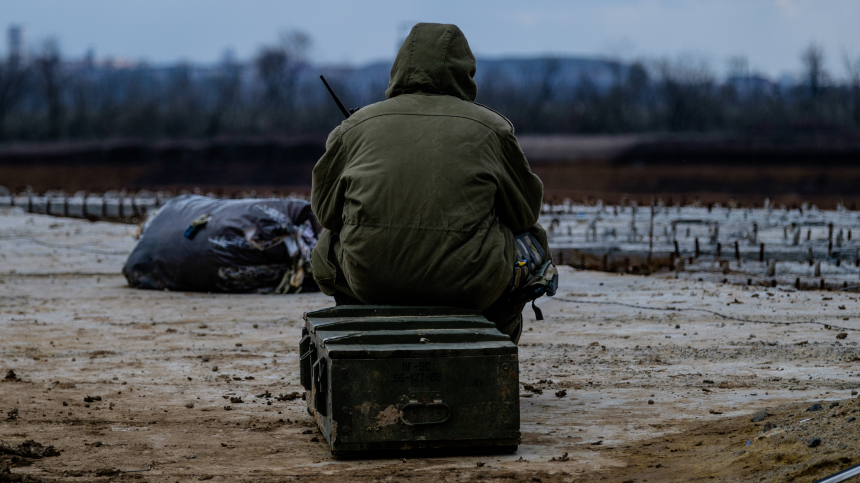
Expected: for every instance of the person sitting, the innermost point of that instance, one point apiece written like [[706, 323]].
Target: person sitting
[[427, 198]]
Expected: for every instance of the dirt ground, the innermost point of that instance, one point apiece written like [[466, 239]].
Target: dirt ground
[[628, 378]]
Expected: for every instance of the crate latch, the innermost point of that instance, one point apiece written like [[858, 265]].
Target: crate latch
[[416, 413]]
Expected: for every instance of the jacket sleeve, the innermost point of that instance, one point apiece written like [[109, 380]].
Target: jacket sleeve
[[520, 192], [327, 192]]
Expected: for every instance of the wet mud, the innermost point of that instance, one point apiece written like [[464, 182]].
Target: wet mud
[[628, 378]]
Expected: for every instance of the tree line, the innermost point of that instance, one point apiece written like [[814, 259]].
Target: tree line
[[277, 93]]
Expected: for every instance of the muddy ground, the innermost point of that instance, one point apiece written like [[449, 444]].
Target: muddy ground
[[629, 378]]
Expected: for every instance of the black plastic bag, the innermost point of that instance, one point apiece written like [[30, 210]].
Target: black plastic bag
[[197, 243]]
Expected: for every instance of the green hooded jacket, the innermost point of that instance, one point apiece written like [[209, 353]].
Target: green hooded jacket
[[421, 194]]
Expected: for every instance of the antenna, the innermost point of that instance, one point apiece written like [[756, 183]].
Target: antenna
[[336, 100]]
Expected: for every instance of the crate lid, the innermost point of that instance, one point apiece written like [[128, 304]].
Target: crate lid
[[368, 331]]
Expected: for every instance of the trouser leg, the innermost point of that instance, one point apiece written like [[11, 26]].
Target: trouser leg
[[507, 317], [327, 271], [341, 298]]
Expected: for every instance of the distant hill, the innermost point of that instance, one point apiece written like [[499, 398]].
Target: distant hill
[[368, 83]]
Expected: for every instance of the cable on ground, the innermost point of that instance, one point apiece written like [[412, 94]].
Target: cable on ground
[[690, 309]]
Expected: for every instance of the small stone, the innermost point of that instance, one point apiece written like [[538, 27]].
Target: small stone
[[290, 396], [236, 400], [768, 426], [561, 393], [834, 404], [842, 335], [214, 368], [480, 464], [563, 457], [190, 405], [529, 387], [760, 416], [814, 442], [650, 401], [815, 407]]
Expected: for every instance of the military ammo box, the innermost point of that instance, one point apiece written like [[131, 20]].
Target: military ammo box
[[383, 378]]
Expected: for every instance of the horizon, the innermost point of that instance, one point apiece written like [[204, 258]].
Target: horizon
[[769, 34]]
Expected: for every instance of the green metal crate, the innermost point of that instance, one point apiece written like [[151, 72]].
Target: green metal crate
[[382, 378]]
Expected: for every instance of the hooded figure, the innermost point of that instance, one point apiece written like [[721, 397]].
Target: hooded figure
[[421, 194]]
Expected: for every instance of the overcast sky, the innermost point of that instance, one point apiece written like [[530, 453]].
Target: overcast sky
[[771, 33]]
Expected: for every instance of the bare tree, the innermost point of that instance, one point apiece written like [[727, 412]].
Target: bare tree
[[47, 64], [814, 73], [739, 73], [181, 106], [278, 69], [228, 91], [852, 67], [271, 64], [12, 77], [541, 84], [685, 87], [50, 98], [138, 109], [636, 97], [82, 104]]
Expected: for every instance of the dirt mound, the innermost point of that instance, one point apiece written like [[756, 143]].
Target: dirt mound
[[799, 442]]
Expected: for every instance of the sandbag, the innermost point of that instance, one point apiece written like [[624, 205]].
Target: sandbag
[[197, 243]]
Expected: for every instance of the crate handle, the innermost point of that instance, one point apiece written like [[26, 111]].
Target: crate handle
[[308, 358], [320, 382], [435, 409]]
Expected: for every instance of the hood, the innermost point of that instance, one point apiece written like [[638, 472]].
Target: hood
[[436, 59]]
